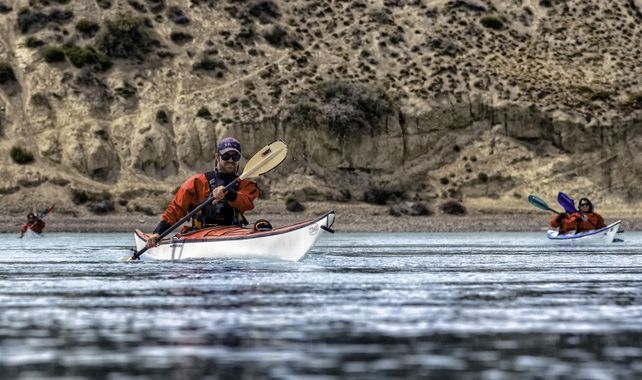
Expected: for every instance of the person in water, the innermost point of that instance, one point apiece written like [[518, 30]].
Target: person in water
[[585, 219], [227, 208], [34, 223]]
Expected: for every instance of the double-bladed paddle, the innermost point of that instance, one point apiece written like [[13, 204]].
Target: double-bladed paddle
[[540, 204], [262, 162], [567, 202]]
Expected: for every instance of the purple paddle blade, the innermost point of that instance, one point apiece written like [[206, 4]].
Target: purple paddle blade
[[566, 202]]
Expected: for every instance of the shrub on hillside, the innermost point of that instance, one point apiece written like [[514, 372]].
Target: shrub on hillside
[[20, 156], [32, 21], [127, 37], [6, 73], [4, 9], [81, 56], [204, 113], [279, 38], [345, 108], [381, 196], [634, 101], [87, 28], [453, 208], [53, 54], [264, 10], [492, 22], [209, 64], [294, 205]]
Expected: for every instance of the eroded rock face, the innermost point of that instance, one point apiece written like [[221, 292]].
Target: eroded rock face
[[89, 150], [153, 151], [196, 141]]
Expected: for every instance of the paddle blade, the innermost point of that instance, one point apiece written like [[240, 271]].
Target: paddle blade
[[265, 160], [566, 202], [539, 203]]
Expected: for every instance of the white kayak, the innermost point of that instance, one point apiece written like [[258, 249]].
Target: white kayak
[[604, 235], [31, 234], [284, 243]]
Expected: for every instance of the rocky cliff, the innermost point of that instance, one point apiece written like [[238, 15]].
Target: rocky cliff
[[107, 105]]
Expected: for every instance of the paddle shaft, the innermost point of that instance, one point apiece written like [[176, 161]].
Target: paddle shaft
[[198, 208]]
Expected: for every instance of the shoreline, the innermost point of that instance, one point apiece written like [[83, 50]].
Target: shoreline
[[350, 218]]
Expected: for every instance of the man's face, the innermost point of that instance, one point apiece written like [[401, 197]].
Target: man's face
[[228, 162]]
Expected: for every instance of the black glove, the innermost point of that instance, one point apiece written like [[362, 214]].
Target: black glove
[[561, 217]]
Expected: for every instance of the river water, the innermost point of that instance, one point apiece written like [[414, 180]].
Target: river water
[[359, 306]]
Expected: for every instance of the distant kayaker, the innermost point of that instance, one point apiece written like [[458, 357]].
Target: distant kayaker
[[34, 223], [582, 220], [227, 207], [587, 219]]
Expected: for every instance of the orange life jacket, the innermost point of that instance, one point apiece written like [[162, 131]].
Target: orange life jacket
[[197, 188], [589, 221]]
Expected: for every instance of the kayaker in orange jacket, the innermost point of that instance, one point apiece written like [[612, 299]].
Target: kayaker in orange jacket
[[583, 220], [587, 219], [34, 223], [227, 207]]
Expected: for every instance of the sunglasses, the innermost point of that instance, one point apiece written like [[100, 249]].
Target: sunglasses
[[232, 156], [584, 204]]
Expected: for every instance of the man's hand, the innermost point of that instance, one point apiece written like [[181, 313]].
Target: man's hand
[[218, 193], [152, 240]]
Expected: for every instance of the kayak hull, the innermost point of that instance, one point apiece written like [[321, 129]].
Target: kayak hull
[[605, 235], [289, 243]]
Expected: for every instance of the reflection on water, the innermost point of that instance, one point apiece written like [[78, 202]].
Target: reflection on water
[[359, 306]]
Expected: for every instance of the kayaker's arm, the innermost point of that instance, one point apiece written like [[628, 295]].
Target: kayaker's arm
[[243, 199]]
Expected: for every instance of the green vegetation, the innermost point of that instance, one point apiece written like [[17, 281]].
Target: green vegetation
[[344, 108], [127, 37], [208, 64], [87, 28], [6, 73], [53, 54], [33, 42], [492, 22], [80, 57], [21, 156], [634, 101]]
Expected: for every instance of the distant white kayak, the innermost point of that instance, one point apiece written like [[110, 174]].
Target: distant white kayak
[[285, 243], [604, 235], [31, 234]]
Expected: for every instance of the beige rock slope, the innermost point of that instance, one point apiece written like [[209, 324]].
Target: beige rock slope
[[481, 101]]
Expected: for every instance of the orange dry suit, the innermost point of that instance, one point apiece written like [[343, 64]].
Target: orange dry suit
[[35, 225], [197, 189], [565, 222], [589, 221]]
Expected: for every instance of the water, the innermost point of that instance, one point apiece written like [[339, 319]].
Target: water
[[359, 306]]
